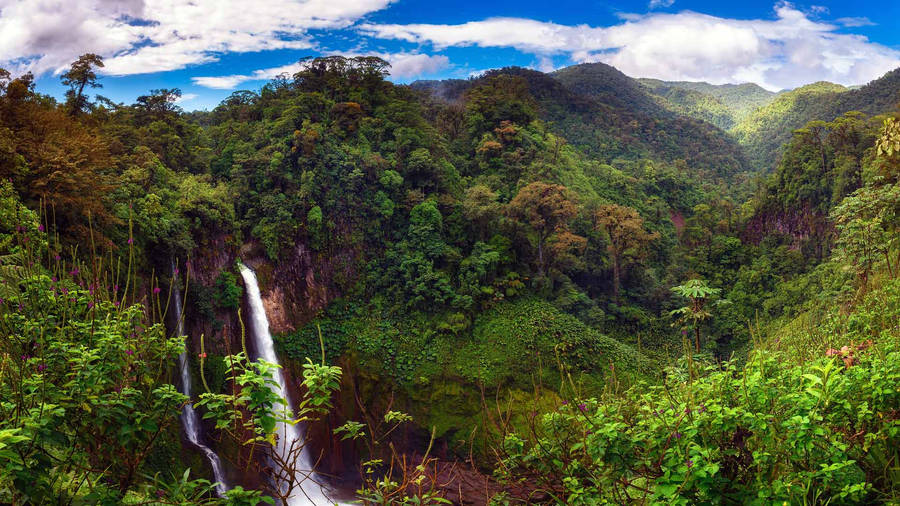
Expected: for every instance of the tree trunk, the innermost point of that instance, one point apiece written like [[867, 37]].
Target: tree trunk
[[697, 338], [616, 276], [541, 256]]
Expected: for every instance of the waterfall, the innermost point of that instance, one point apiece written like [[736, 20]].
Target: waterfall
[[189, 417], [310, 491]]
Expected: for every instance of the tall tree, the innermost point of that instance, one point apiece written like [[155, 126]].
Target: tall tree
[[627, 238], [79, 76], [697, 312], [546, 210]]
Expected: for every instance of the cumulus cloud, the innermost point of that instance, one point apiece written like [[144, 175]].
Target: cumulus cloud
[[403, 66], [139, 36], [409, 65], [784, 52]]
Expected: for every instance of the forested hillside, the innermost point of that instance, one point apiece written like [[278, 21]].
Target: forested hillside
[[520, 288], [610, 118], [764, 132], [722, 105]]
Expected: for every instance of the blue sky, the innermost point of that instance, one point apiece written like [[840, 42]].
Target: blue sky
[[210, 48]]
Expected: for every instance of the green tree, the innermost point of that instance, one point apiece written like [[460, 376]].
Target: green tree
[[544, 210], [79, 76], [624, 229], [867, 224], [697, 312]]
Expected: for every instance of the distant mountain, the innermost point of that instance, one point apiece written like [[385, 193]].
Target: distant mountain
[[722, 105], [611, 116], [609, 86], [765, 131]]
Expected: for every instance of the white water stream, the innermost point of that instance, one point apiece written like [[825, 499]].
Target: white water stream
[[189, 417], [310, 491]]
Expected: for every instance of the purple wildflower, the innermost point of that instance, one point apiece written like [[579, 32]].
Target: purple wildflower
[[56, 257], [21, 307], [677, 435], [40, 228], [176, 270], [25, 358], [130, 240], [90, 305], [684, 332], [701, 409], [129, 352], [687, 411], [53, 279], [582, 407], [156, 290], [116, 303], [41, 367], [565, 402], [690, 463]]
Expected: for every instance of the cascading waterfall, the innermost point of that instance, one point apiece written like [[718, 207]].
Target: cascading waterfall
[[310, 490], [189, 417]]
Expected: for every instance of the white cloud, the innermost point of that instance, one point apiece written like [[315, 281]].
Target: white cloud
[[855, 22], [545, 64], [139, 36], [187, 97], [409, 65], [655, 4], [403, 66], [233, 81], [784, 52]]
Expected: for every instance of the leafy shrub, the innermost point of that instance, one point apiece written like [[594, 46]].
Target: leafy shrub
[[816, 432], [228, 291]]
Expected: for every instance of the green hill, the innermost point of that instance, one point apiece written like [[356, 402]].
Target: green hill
[[609, 116], [764, 132], [722, 105]]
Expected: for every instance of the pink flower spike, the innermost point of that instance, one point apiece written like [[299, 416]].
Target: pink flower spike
[[130, 240]]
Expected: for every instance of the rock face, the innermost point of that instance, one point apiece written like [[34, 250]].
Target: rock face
[[202, 270], [302, 284], [799, 225]]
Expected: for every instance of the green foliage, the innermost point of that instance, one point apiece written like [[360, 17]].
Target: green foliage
[[767, 129], [722, 105], [81, 386], [766, 433], [228, 292], [509, 339]]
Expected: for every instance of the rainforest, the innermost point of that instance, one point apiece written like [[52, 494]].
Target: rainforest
[[521, 287]]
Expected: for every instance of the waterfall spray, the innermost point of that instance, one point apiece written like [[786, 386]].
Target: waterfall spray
[[189, 417]]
